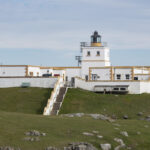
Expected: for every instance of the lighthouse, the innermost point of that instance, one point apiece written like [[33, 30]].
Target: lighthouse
[[94, 54]]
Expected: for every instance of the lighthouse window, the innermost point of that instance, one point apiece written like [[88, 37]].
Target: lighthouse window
[[118, 76], [98, 53], [88, 53], [127, 76]]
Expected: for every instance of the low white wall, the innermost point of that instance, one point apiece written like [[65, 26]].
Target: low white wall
[[134, 87], [34, 82], [144, 87]]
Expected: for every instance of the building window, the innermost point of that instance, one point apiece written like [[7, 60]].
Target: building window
[[135, 78], [98, 53], [127, 76], [88, 53], [118, 76], [94, 76], [116, 89], [122, 89]]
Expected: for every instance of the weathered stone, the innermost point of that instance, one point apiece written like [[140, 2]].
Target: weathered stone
[[106, 146], [79, 114], [80, 146], [125, 117], [140, 113], [99, 136], [95, 132], [101, 117], [34, 133], [120, 141], [43, 134], [147, 118], [88, 134], [51, 148], [138, 133], [124, 133]]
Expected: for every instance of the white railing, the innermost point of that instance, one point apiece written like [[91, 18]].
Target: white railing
[[52, 100]]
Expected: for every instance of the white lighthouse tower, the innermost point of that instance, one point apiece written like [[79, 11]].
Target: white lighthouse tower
[[94, 54]]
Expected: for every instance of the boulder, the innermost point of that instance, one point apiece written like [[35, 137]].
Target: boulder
[[125, 117], [106, 146], [124, 133], [120, 141]]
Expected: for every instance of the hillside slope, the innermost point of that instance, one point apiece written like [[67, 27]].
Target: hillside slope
[[24, 100], [78, 100]]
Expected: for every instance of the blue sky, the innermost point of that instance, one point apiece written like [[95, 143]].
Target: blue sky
[[49, 32]]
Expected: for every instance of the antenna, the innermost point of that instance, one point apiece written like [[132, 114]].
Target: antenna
[[78, 58]]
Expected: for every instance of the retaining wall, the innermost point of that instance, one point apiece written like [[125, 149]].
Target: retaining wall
[[7, 82]]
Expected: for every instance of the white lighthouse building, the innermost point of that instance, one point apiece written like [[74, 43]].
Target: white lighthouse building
[[94, 54], [95, 73]]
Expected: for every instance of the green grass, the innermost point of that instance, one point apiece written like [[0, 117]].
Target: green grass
[[78, 100], [24, 100], [20, 110], [61, 130]]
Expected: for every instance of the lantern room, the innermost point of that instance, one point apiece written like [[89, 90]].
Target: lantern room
[[96, 40]]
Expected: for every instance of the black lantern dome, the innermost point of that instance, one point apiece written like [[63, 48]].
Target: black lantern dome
[[95, 38]]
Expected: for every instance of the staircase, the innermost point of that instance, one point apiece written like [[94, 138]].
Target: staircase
[[58, 102]]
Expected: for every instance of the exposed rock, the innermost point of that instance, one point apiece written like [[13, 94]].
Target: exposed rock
[[147, 118], [43, 134], [79, 114], [120, 141], [74, 115], [35, 133], [80, 146], [106, 146], [138, 133], [125, 117], [88, 134], [95, 132], [124, 133], [140, 113], [51, 148], [9, 148], [101, 117], [99, 136]]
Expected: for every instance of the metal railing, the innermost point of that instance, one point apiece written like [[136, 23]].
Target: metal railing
[[88, 44]]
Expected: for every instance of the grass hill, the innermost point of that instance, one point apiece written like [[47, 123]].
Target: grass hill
[[78, 100], [24, 100], [60, 130]]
